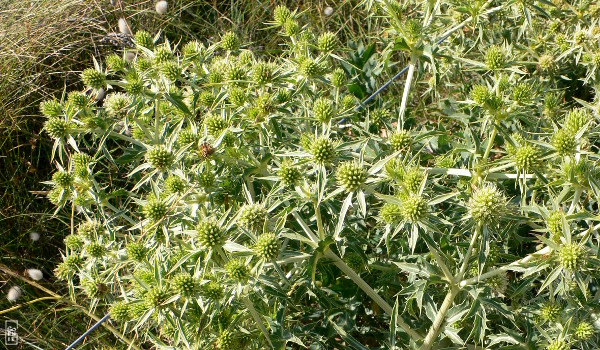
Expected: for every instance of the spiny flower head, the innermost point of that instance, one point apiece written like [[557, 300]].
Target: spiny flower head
[[162, 53], [412, 178], [327, 42], [498, 283], [310, 68], [73, 262], [51, 108], [558, 345], [338, 78], [236, 74], [323, 150], [230, 41], [414, 208], [378, 115], [526, 157], [81, 160], [480, 94], [155, 209], [546, 62], [144, 39], [289, 174], [522, 93], [351, 176], [401, 140], [74, 242], [89, 229], [212, 290], [495, 57], [192, 50], [214, 124], [564, 142], [174, 184], [390, 213], [136, 251], [237, 270], [348, 101], [155, 297], [95, 249], [267, 246], [206, 98], [185, 284], [237, 96], [93, 78], [413, 29], [575, 120], [62, 179], [281, 14], [116, 104], [210, 234], [263, 72], [115, 62], [160, 157], [252, 217], [487, 205], [171, 70], [291, 27], [572, 256], [583, 331], [323, 109], [354, 261], [57, 128], [119, 311], [554, 225], [550, 312], [78, 99]]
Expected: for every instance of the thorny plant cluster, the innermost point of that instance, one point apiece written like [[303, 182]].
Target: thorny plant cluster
[[225, 199]]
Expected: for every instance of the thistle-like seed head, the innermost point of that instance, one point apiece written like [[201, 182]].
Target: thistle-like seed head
[[62, 179], [93, 79], [160, 157], [564, 142], [119, 311], [572, 256], [327, 42], [174, 184], [575, 120], [310, 68], [78, 99], [74, 242], [230, 41], [210, 234], [162, 53], [237, 270], [252, 217], [289, 174], [526, 157], [51, 108], [95, 249], [144, 39], [401, 140], [267, 246], [116, 104], [281, 14], [90, 229], [414, 208], [185, 284], [155, 209], [338, 78], [558, 345], [550, 312], [390, 213], [354, 261], [323, 109], [212, 290], [487, 205], [155, 297], [323, 150], [583, 331], [351, 176], [480, 94], [57, 128], [214, 124], [263, 72], [136, 251], [546, 62], [291, 27], [171, 70], [495, 57]]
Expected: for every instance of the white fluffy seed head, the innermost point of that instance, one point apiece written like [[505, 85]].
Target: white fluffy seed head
[[35, 274], [162, 7], [34, 236], [13, 294], [328, 11], [123, 26]]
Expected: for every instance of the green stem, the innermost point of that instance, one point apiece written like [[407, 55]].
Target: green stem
[[465, 263], [490, 143], [441, 263], [439, 318], [576, 197], [371, 293], [319, 220]]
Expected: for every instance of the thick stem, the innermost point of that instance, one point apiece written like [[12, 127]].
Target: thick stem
[[439, 319], [465, 263], [319, 220], [371, 293]]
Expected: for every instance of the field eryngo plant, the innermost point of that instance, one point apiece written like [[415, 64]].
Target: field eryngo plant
[[232, 200]]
